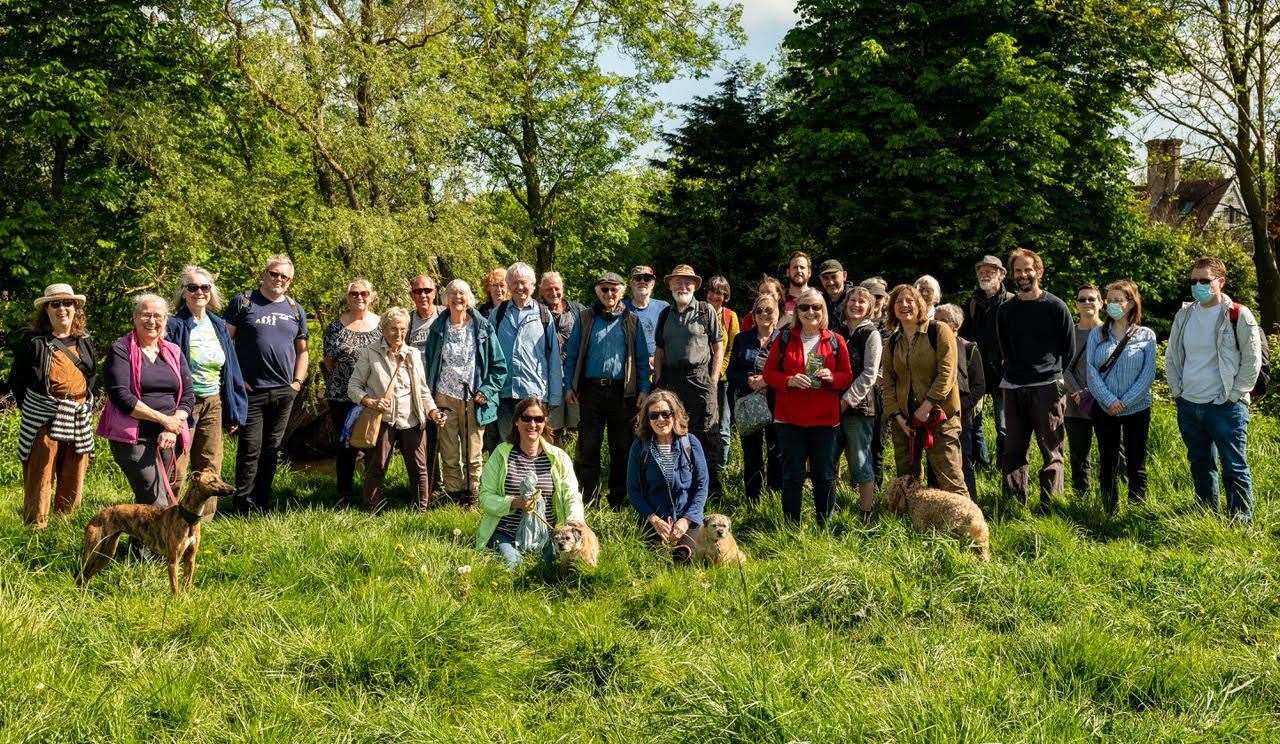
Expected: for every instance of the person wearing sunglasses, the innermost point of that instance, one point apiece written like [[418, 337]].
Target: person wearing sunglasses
[[808, 368], [565, 314], [667, 476], [1075, 379], [1213, 362], [270, 332], [423, 293], [606, 372], [761, 458], [527, 456], [54, 368], [221, 399], [345, 340]]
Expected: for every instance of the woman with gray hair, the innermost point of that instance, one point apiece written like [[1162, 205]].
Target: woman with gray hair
[[465, 369], [150, 396], [389, 378], [221, 399], [345, 339], [931, 292]]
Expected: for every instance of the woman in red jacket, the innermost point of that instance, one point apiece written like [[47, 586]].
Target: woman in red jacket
[[809, 368]]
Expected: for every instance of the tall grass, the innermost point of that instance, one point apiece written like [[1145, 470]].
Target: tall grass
[[1162, 624]]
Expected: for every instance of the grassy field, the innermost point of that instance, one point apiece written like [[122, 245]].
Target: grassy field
[[1162, 624]]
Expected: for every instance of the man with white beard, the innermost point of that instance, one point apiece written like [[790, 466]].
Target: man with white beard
[[980, 328], [688, 340]]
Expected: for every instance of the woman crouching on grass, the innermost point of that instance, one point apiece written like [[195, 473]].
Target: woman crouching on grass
[[503, 498], [667, 475]]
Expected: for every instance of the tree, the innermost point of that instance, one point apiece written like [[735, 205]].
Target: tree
[[920, 136], [1223, 87], [558, 120], [715, 214]]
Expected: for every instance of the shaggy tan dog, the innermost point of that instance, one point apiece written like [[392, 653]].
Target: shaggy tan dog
[[575, 543], [172, 532], [714, 543], [932, 509]]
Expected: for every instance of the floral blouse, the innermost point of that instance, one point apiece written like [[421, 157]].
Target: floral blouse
[[343, 346]]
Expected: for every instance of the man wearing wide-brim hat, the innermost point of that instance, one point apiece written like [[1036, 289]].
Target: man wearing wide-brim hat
[[980, 327], [606, 373], [687, 362], [54, 368]]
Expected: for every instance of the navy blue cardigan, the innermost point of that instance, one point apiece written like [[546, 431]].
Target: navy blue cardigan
[[235, 397], [647, 486]]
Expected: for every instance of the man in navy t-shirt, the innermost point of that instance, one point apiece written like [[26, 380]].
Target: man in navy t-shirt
[[270, 332]]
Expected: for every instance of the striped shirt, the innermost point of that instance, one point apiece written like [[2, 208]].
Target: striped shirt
[[69, 421], [665, 455], [1129, 379], [519, 465]]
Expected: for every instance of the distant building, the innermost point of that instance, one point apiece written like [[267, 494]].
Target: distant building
[[1195, 203]]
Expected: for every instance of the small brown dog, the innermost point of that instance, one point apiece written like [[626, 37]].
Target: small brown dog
[[172, 531], [933, 509], [714, 543], [575, 543]]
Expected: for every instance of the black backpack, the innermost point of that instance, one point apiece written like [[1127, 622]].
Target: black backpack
[[784, 338], [931, 332], [1264, 367]]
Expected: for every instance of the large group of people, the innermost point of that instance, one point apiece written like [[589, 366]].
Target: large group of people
[[833, 365]]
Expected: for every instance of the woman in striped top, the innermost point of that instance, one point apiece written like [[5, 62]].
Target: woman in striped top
[[504, 495], [667, 475], [1120, 383]]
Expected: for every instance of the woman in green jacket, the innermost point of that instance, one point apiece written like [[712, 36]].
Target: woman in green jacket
[[526, 455]]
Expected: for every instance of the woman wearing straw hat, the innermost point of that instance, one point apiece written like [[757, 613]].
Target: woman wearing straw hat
[[52, 381]]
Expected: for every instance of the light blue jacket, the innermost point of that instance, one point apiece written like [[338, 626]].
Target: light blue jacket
[[1129, 379], [532, 350]]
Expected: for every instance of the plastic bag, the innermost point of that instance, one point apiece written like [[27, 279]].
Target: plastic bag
[[533, 533]]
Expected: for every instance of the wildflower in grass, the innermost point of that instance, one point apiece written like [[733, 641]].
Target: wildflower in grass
[[464, 570]]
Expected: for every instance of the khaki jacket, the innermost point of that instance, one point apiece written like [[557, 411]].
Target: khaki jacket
[[372, 374], [920, 373]]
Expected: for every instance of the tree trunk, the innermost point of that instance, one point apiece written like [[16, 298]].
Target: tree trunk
[[537, 206], [1264, 257]]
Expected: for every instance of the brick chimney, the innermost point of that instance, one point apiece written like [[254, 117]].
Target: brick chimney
[[1164, 168]]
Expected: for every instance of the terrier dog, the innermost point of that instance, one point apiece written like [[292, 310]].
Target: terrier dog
[[575, 543], [172, 532], [931, 508], [714, 543]]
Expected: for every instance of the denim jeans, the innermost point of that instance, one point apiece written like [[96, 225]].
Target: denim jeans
[[505, 547], [726, 423], [857, 446], [983, 453], [1213, 431], [816, 446]]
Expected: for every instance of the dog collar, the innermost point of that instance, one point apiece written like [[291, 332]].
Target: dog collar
[[188, 516]]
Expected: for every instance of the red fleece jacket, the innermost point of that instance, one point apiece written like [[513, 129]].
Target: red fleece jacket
[[808, 406]]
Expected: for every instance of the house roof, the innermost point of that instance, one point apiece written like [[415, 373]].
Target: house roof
[[1192, 200]]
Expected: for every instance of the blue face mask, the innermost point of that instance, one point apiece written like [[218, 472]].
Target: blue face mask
[[1202, 292], [1115, 310]]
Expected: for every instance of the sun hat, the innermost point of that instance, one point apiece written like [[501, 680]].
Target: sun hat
[[683, 271], [57, 292]]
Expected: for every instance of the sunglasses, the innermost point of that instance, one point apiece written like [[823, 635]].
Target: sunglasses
[[422, 290], [644, 278], [358, 293], [763, 311], [1086, 299], [533, 419], [280, 276], [1202, 281], [659, 415], [610, 288], [808, 308], [59, 304], [193, 288]]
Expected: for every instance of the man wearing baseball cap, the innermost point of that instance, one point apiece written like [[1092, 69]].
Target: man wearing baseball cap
[[642, 303], [835, 286], [606, 372], [980, 328]]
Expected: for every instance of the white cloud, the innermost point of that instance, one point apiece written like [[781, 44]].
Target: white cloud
[[761, 14]]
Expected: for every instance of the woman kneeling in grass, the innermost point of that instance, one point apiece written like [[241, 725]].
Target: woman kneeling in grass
[[504, 499], [667, 475]]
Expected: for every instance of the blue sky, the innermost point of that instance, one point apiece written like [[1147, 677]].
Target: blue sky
[[766, 22]]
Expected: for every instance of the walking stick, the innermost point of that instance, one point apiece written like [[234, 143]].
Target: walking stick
[[466, 439]]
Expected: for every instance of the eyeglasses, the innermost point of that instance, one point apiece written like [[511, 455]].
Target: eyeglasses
[[422, 290], [1202, 281], [533, 419], [659, 415], [59, 304], [193, 288], [808, 308], [279, 276], [644, 278]]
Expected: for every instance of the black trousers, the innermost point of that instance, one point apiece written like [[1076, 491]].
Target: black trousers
[[761, 462], [1122, 437], [345, 457], [603, 407], [261, 437], [1080, 451]]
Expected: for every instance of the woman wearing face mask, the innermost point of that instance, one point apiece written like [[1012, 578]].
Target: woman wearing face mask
[[1122, 366], [1076, 380]]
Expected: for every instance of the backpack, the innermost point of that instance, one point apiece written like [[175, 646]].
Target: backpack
[[699, 306], [543, 314], [931, 332], [784, 338], [1264, 366]]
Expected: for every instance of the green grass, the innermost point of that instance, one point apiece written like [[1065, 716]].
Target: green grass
[[1162, 624]]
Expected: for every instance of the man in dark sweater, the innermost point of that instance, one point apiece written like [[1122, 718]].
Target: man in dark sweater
[[1036, 335], [980, 328]]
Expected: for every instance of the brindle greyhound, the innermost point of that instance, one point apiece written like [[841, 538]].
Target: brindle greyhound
[[172, 531]]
